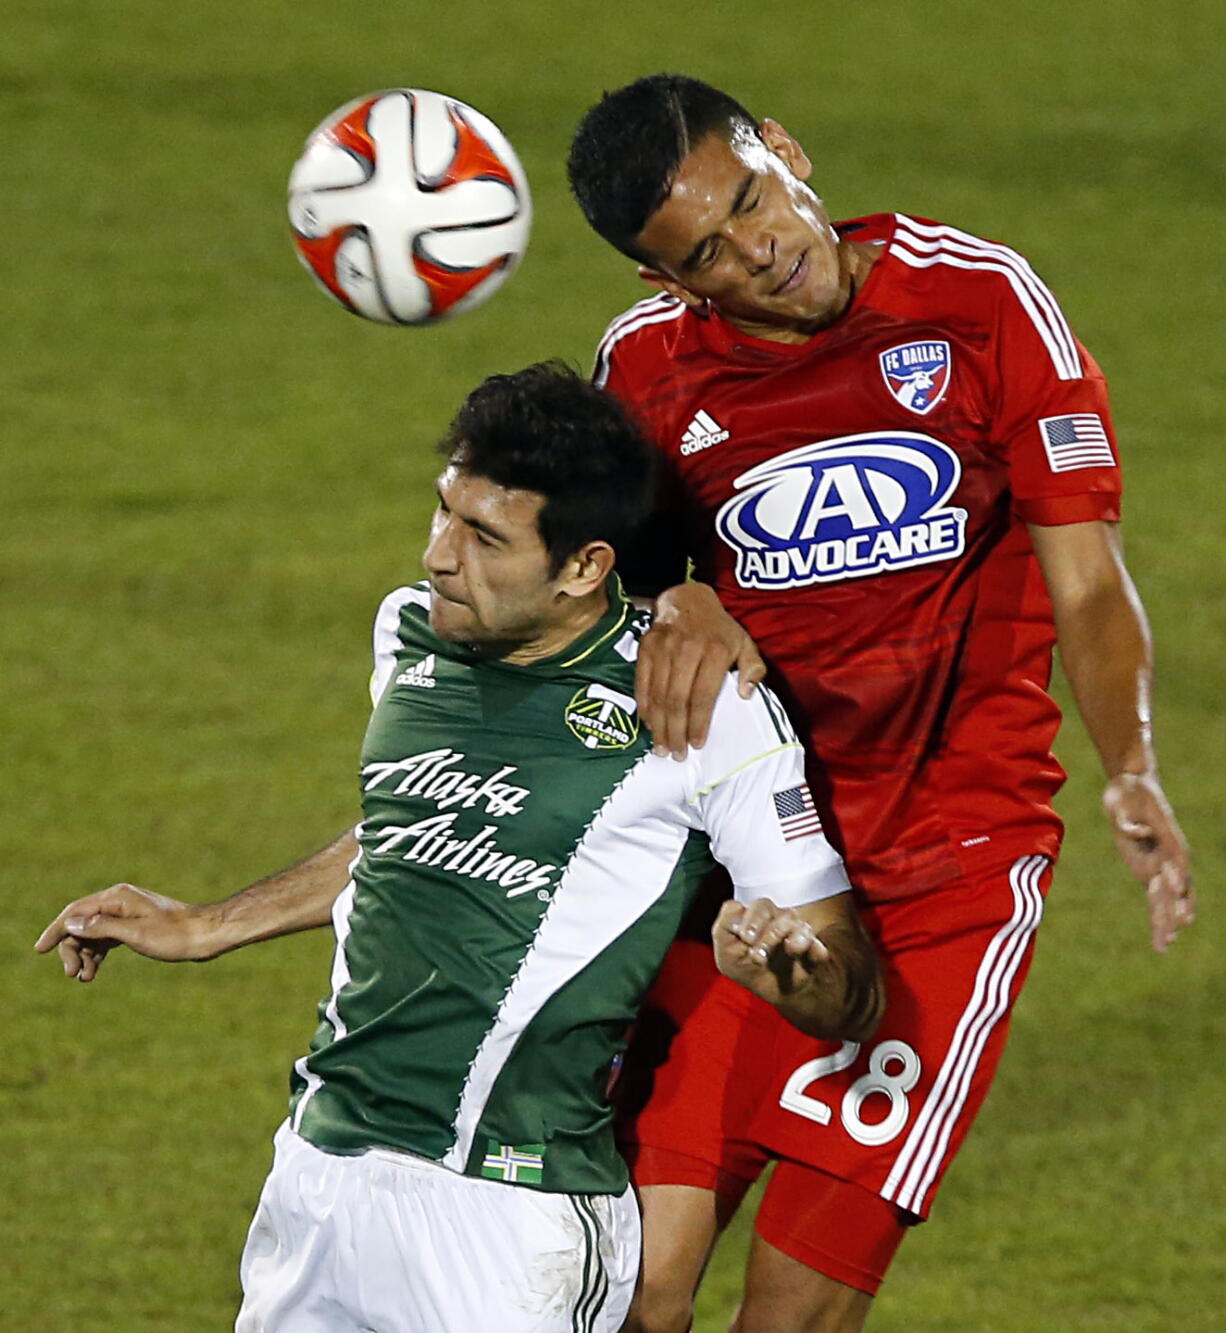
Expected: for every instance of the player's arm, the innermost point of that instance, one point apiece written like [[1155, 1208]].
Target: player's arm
[[792, 936], [683, 659], [1105, 651], [299, 898], [815, 963]]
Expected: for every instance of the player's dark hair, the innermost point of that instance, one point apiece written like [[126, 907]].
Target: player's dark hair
[[547, 429], [628, 147]]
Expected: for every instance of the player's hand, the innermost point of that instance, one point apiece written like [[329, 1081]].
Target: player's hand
[[150, 924], [683, 660], [1153, 847], [767, 949]]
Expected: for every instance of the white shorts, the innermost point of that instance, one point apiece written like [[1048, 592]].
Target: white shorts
[[390, 1243]]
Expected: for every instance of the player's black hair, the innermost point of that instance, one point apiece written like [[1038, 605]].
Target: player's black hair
[[547, 429], [628, 147]]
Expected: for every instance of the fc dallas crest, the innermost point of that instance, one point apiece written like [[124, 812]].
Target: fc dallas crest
[[917, 374]]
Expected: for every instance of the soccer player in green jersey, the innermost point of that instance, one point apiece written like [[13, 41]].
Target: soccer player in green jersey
[[521, 866]]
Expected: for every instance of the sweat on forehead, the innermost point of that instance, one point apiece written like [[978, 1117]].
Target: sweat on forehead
[[747, 147]]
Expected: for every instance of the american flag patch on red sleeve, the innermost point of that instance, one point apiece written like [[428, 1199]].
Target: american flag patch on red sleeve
[[1075, 442], [796, 813]]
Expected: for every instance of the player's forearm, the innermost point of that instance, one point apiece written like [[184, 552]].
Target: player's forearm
[[1105, 651], [844, 999], [292, 900]]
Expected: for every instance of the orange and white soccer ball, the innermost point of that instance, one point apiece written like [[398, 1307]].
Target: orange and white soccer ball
[[409, 207]]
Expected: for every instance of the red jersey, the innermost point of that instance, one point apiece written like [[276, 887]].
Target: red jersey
[[860, 500]]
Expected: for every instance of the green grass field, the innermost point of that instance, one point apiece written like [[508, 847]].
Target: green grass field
[[211, 475]]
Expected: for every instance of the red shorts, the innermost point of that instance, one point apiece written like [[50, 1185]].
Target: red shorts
[[716, 1084]]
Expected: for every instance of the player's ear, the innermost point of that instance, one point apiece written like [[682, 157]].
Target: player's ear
[[655, 278], [587, 569], [786, 149]]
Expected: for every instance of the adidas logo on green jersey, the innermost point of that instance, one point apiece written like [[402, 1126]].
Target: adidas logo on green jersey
[[421, 675]]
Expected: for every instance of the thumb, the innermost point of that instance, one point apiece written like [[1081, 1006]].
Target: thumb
[[1125, 817], [1131, 824], [818, 953], [99, 926]]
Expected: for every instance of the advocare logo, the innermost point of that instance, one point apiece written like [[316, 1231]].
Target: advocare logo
[[845, 509]]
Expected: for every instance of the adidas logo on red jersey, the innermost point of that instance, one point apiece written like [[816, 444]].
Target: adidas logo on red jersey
[[702, 433]]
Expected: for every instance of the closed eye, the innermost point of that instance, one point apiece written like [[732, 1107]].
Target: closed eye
[[707, 257]]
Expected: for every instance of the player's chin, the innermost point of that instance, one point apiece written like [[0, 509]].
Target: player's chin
[[818, 292], [453, 621], [800, 307]]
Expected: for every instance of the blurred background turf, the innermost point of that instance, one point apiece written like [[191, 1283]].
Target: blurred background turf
[[211, 475]]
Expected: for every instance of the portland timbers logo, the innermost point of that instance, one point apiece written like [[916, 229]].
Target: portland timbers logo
[[603, 719]]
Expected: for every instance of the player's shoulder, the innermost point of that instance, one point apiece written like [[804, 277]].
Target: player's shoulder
[[960, 262], [613, 659], [927, 236], [745, 729], [984, 281], [640, 336], [872, 229], [402, 618], [412, 600], [402, 611], [757, 721], [762, 710], [608, 653]]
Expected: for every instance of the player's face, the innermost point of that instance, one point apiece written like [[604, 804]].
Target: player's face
[[488, 566], [740, 229]]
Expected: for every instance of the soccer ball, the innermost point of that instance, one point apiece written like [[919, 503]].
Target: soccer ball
[[409, 207]]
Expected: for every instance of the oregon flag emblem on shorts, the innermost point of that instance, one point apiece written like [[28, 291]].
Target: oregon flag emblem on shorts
[[521, 1165]]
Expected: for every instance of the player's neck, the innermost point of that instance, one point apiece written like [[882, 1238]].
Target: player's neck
[[578, 616]]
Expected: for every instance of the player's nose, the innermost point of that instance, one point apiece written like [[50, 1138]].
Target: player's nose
[[759, 250], [441, 554]]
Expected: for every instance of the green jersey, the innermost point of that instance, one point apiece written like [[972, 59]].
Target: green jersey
[[524, 863]]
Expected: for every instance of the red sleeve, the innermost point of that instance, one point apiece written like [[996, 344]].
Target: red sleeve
[[1053, 418]]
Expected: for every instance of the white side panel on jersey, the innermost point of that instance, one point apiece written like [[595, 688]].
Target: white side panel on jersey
[[921, 246], [620, 868], [623, 864], [917, 1165], [387, 634], [655, 310], [342, 910], [753, 754]]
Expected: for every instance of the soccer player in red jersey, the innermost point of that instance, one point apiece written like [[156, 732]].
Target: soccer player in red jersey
[[893, 464]]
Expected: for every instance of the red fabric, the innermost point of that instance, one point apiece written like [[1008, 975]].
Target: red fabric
[[924, 683], [715, 1067], [831, 1226], [827, 1224], [662, 1166], [692, 1044]]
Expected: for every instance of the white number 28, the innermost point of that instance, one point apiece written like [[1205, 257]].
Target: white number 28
[[893, 1070]]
